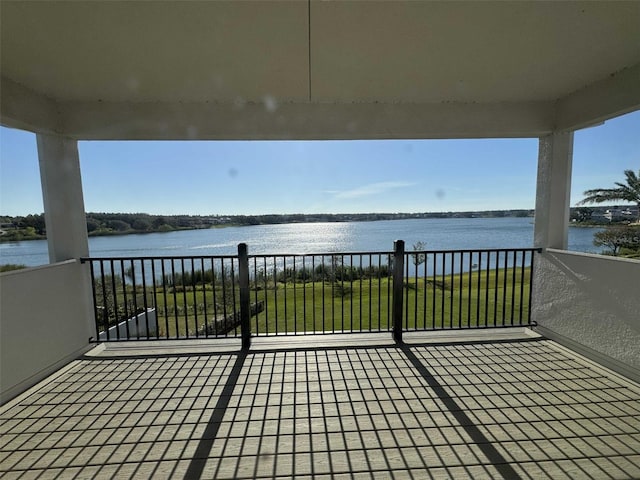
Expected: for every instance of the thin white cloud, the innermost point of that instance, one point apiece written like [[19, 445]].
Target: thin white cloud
[[372, 189]]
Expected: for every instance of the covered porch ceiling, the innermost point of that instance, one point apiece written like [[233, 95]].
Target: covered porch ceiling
[[316, 69]]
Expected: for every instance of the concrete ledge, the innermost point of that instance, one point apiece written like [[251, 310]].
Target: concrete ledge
[[471, 335], [165, 347], [309, 341]]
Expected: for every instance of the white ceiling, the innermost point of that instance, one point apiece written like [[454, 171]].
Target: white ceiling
[[299, 69]]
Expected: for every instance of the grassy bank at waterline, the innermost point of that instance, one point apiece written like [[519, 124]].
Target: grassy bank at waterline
[[481, 298]]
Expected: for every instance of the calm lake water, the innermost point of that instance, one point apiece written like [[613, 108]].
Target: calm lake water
[[455, 233]]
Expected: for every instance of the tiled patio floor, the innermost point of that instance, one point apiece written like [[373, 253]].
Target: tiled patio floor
[[514, 409]]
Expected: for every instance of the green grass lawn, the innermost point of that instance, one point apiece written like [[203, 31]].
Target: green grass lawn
[[477, 299]]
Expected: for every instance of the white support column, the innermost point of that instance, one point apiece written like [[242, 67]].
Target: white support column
[[62, 196], [555, 155]]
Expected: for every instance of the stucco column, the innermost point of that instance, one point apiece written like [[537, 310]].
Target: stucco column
[[62, 196], [555, 155]]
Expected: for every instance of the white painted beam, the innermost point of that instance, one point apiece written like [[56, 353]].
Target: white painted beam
[[555, 156], [25, 109], [616, 95], [64, 213], [303, 121]]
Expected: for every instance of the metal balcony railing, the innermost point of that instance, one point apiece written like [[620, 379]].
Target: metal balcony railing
[[164, 298]]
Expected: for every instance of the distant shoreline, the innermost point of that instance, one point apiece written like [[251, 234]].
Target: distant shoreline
[[32, 227]]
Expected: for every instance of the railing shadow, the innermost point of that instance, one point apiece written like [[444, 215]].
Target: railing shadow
[[497, 460], [199, 460], [507, 409]]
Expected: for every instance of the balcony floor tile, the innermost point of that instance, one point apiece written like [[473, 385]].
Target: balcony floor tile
[[505, 409]]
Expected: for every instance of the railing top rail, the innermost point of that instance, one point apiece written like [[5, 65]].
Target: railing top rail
[[161, 257], [319, 254], [257, 255], [482, 250], [463, 250]]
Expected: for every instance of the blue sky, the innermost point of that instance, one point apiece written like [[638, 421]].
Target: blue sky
[[204, 178]]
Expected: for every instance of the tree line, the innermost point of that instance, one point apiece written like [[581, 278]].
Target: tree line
[[32, 227]]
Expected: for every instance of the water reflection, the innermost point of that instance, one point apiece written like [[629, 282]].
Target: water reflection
[[306, 238], [302, 238]]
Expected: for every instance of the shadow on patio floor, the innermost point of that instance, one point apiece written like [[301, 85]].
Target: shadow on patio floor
[[478, 410]]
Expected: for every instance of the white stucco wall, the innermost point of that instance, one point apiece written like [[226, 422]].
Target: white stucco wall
[[44, 323], [591, 301]]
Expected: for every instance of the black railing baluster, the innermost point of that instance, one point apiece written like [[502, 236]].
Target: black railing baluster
[[275, 293], [521, 302], [255, 289], [105, 309], [495, 287], [479, 289], [145, 303], [233, 295], [486, 291], [443, 289], [194, 289], [132, 272], [388, 306], [214, 294], [324, 273], [313, 290], [405, 285], [504, 287], [205, 325], [266, 290], [284, 281], [333, 296], [165, 306], [155, 297], [469, 297], [295, 296], [342, 293], [245, 295], [351, 291], [304, 293], [398, 268], [360, 274], [125, 299], [434, 282], [115, 301], [415, 303], [425, 289], [461, 288], [513, 286], [185, 306], [451, 286]]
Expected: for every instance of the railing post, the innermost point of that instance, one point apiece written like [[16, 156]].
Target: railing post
[[398, 280], [245, 299]]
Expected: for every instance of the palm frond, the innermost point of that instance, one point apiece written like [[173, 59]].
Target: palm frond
[[628, 192]]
